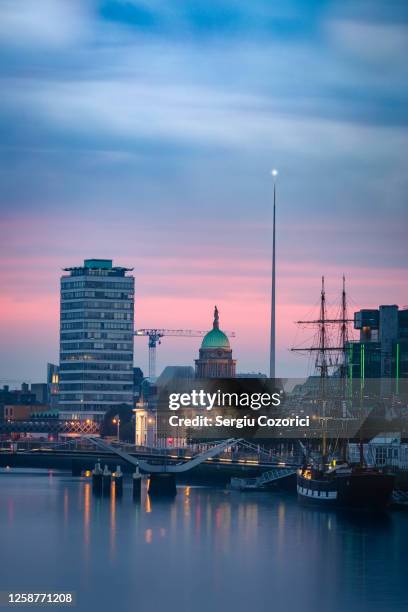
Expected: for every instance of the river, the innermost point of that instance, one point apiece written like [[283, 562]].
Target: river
[[206, 550]]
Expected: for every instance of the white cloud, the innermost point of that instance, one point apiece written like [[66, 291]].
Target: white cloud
[[372, 42], [122, 108], [42, 23]]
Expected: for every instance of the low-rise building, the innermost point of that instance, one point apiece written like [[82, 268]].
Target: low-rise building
[[21, 412]]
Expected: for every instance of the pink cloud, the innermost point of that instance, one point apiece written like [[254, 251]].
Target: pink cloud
[[177, 285]]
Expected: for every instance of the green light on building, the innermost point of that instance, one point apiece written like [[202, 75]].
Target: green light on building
[[362, 366], [397, 368]]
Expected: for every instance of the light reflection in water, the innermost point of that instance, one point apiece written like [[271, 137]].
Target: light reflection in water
[[66, 506], [281, 529], [87, 514], [113, 521], [197, 520], [148, 536], [234, 548], [173, 518]]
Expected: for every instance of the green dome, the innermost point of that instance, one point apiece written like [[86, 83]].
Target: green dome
[[215, 339]]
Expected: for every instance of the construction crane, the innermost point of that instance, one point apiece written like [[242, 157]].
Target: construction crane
[[155, 336]]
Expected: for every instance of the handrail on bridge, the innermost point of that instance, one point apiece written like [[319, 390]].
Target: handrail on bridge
[[157, 468]]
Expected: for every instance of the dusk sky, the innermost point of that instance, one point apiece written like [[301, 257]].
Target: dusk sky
[[145, 131]]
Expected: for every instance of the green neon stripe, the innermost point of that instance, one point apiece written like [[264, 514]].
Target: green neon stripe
[[362, 366], [397, 369], [350, 370]]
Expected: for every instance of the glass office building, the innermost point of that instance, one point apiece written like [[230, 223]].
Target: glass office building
[[382, 349], [96, 339]]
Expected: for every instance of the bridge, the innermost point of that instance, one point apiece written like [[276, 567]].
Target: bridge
[[50, 427], [160, 483], [173, 468], [214, 462]]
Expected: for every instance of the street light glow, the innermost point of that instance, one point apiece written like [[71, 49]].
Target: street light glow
[[274, 173]]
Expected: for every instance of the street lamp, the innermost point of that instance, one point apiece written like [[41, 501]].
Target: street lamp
[[116, 421]]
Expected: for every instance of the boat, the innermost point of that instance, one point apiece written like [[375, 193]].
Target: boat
[[344, 485], [325, 481]]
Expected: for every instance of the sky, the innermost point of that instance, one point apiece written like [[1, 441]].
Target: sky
[[145, 131]]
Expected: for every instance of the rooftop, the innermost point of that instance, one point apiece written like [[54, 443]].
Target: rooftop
[[96, 264]]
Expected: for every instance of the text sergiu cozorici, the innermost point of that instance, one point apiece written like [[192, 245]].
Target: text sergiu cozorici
[[218, 400]]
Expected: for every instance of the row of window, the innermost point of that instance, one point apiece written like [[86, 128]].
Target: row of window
[[86, 366], [90, 407], [97, 335], [95, 386], [91, 376], [96, 325], [92, 397], [127, 285], [96, 357], [94, 314], [104, 295], [97, 272], [89, 305], [106, 346]]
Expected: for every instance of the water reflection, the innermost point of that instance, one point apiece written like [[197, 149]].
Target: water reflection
[[66, 506], [87, 513], [208, 549], [113, 501]]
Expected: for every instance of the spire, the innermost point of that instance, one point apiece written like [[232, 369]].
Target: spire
[[273, 287], [216, 324]]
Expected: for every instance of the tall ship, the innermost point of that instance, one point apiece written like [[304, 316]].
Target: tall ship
[[344, 485], [328, 479]]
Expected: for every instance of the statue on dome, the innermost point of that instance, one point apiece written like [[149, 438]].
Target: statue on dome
[[215, 354], [216, 323]]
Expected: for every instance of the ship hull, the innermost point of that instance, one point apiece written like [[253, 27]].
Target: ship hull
[[355, 490]]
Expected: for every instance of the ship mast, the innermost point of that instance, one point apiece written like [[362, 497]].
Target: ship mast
[[325, 352], [321, 361], [324, 358]]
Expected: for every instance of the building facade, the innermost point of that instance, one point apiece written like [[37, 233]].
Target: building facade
[[53, 384], [215, 355], [40, 391], [96, 339], [382, 349]]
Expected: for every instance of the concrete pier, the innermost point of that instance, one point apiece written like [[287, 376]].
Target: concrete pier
[[76, 467], [106, 481], [137, 484], [117, 478], [97, 479], [162, 485]]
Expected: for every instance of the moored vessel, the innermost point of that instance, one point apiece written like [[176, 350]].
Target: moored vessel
[[344, 485]]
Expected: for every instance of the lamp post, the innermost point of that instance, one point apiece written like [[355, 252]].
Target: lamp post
[[116, 421], [274, 174]]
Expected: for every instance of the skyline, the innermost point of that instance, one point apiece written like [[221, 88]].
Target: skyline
[[146, 134]]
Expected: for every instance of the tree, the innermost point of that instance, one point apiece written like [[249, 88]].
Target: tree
[[109, 428]]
